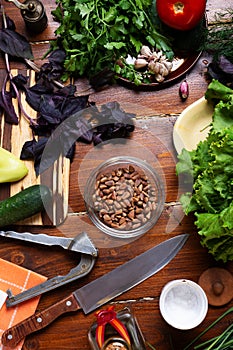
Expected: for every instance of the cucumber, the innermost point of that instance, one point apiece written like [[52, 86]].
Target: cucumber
[[24, 204]]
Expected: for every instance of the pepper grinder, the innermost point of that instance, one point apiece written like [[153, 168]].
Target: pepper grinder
[[33, 13]]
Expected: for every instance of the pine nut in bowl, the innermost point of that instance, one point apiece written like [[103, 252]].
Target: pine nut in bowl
[[124, 197]]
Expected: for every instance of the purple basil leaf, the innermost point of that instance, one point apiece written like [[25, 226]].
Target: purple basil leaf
[[15, 44], [50, 72], [34, 93], [71, 152], [53, 69], [226, 65], [102, 78], [67, 90], [85, 130], [63, 139], [97, 138], [37, 162], [33, 99], [77, 127], [113, 123], [49, 111], [42, 89], [20, 81], [7, 105], [9, 23], [57, 56], [28, 150], [73, 105], [33, 150], [54, 148], [42, 128], [54, 107], [222, 71], [113, 110]]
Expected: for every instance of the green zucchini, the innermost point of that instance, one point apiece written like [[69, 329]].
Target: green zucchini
[[24, 204]]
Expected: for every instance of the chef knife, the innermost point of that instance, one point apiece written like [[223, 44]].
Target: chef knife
[[101, 290]]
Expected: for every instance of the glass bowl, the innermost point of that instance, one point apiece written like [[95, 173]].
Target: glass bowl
[[124, 197]]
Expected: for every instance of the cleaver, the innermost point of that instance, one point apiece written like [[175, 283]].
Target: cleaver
[[102, 290]]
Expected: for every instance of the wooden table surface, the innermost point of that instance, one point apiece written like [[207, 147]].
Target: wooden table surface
[[156, 113]]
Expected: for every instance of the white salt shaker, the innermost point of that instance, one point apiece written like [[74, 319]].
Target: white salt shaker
[[183, 304]]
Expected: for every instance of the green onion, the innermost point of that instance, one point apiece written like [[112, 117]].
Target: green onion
[[221, 342]]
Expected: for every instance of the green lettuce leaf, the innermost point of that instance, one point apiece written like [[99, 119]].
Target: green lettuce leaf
[[210, 168], [218, 92]]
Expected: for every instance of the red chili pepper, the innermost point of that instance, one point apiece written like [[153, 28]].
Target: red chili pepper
[[109, 316]]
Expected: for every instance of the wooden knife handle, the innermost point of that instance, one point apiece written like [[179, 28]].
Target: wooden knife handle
[[12, 336]]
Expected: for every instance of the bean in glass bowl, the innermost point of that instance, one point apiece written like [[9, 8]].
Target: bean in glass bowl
[[124, 197]]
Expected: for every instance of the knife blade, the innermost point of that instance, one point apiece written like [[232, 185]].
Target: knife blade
[[102, 290]]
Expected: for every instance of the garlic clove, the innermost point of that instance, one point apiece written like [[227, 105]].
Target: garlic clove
[[145, 50], [164, 71], [159, 78], [143, 56], [168, 65], [160, 55], [130, 59], [153, 67], [140, 63], [161, 67], [155, 56]]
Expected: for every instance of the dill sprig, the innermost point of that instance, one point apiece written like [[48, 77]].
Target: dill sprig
[[219, 38]]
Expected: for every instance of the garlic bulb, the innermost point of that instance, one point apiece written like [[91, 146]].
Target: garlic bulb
[[155, 62]]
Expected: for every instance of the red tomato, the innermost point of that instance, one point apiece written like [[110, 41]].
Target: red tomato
[[181, 14]]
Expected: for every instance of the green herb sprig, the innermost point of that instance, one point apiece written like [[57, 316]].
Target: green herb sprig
[[219, 38], [95, 33], [224, 341]]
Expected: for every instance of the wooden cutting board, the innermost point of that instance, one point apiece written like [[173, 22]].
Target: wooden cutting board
[[12, 138]]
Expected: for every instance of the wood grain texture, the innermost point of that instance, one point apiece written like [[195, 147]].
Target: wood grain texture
[[156, 113]]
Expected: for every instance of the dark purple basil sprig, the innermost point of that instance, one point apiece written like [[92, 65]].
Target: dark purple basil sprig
[[53, 105], [15, 45], [112, 123], [61, 107], [88, 124], [54, 68]]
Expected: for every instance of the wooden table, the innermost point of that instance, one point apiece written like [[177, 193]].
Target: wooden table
[[156, 113]]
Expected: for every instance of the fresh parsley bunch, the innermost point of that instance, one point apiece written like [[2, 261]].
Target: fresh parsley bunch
[[210, 167], [96, 33]]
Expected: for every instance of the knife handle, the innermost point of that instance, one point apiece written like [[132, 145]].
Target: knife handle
[[12, 336]]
